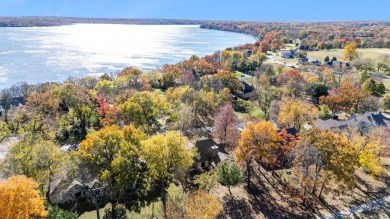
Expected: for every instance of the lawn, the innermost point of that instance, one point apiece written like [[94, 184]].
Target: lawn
[[387, 84], [154, 210], [373, 53]]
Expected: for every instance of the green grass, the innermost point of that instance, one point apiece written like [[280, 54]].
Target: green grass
[[238, 74], [154, 210], [387, 84], [373, 53], [258, 113], [159, 91]]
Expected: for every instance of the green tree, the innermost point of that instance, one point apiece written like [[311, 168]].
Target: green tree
[[207, 180], [386, 101], [165, 155], [317, 90], [229, 174], [4, 130], [118, 213], [55, 212], [373, 87], [143, 110], [326, 59]]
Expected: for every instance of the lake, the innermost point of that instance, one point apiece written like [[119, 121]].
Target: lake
[[40, 54]]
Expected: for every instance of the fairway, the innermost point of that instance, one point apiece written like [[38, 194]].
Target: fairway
[[364, 53]]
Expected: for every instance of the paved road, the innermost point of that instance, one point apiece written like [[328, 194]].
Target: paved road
[[361, 208]]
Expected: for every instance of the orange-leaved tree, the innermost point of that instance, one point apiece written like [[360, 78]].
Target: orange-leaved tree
[[260, 142], [20, 198]]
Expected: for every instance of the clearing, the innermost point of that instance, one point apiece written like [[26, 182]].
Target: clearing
[[373, 53]]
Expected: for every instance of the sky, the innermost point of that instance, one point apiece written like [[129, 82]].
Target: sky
[[243, 10]]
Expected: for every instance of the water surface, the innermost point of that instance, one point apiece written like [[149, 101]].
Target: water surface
[[40, 54]]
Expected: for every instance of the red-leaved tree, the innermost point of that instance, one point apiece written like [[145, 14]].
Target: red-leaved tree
[[225, 126]]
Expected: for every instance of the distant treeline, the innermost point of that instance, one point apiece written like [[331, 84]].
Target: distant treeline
[[58, 21], [321, 35]]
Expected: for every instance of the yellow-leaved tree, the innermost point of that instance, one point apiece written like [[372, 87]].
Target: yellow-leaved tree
[[20, 198], [350, 52], [165, 155], [296, 112], [201, 205]]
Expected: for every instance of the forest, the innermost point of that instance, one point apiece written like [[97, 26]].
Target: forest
[[297, 140], [313, 35]]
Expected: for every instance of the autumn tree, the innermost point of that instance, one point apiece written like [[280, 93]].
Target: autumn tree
[[293, 82], [103, 105], [225, 126], [229, 174], [229, 80], [265, 94], [350, 52], [20, 198], [143, 110], [295, 113], [165, 155], [201, 204], [41, 160], [326, 157], [116, 154], [202, 67], [344, 98], [257, 141]]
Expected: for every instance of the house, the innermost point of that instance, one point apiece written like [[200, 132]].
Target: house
[[310, 61], [303, 60], [362, 121], [288, 54], [314, 62], [248, 52], [247, 90], [337, 64], [210, 154], [76, 191]]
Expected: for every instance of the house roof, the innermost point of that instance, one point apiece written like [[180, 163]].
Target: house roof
[[290, 131], [362, 120], [247, 88], [205, 148]]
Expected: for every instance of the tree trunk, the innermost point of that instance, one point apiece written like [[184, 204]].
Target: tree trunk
[[248, 170], [48, 192], [230, 192], [322, 188], [97, 210], [113, 210], [164, 198]]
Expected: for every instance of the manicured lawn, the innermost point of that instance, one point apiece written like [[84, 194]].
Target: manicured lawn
[[373, 53]]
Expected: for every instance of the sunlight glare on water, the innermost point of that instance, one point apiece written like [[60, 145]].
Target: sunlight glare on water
[[39, 54]]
